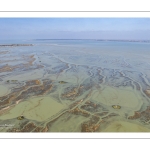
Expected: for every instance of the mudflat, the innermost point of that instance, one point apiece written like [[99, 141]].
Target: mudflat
[[75, 86]]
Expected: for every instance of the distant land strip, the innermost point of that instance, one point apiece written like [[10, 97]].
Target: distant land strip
[[75, 11], [17, 45], [100, 40]]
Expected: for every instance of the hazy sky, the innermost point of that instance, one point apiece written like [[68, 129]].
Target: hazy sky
[[75, 28]]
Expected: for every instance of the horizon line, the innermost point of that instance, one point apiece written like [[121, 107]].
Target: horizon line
[[99, 39]]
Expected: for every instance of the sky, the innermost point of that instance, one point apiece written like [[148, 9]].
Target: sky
[[75, 28]]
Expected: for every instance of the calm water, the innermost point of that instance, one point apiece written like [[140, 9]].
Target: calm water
[[75, 86]]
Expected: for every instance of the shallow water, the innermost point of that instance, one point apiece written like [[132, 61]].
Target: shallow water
[[96, 75]]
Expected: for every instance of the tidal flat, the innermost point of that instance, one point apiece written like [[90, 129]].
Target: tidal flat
[[75, 86]]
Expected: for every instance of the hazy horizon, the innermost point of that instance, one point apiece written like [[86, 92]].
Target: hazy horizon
[[75, 28]]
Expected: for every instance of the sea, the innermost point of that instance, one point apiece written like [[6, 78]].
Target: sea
[[84, 85]]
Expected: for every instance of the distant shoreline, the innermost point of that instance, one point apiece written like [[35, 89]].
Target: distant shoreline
[[16, 45], [147, 41]]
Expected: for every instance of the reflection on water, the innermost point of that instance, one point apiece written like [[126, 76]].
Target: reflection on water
[[75, 86]]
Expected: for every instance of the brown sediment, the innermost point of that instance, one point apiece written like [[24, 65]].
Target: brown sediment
[[3, 97], [92, 104], [73, 93], [75, 103], [78, 111], [94, 123], [19, 89], [35, 91], [27, 91], [90, 126], [33, 82], [147, 92], [141, 115], [102, 113], [30, 127], [92, 107], [32, 59], [44, 129], [6, 68], [9, 68], [10, 98], [135, 116], [5, 110], [11, 60], [137, 85]]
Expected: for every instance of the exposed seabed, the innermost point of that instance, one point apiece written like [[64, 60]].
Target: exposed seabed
[[74, 88]]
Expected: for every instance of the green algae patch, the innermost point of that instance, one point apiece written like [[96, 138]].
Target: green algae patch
[[62, 82], [20, 117], [116, 106]]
